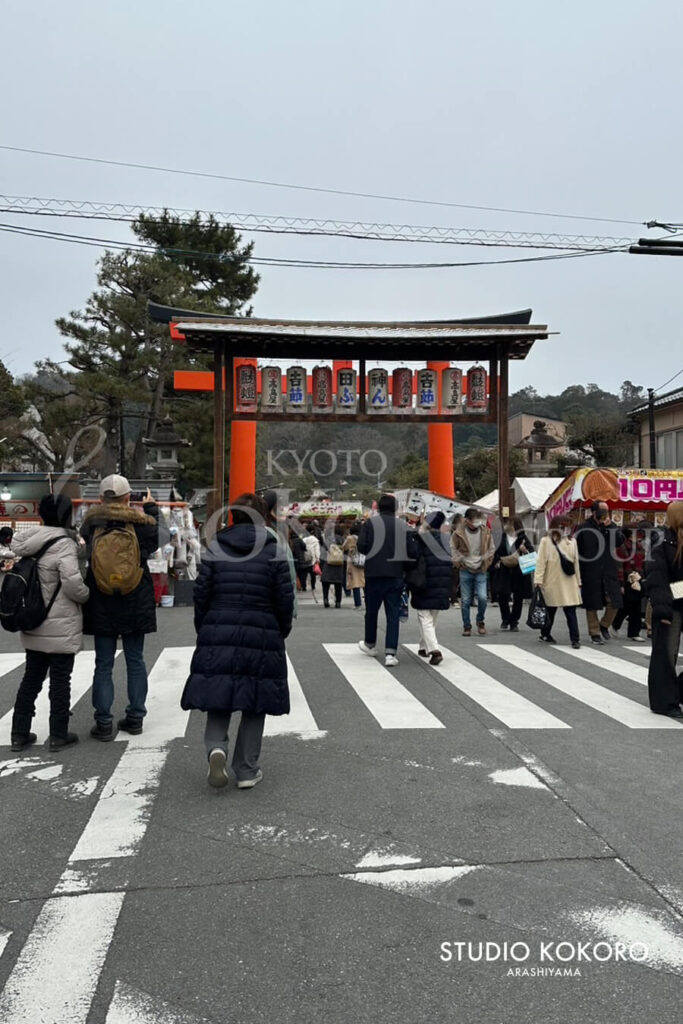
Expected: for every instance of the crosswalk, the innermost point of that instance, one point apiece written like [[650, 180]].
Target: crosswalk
[[515, 686]]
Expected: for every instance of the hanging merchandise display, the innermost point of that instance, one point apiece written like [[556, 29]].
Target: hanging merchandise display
[[271, 389], [378, 390], [296, 389], [451, 390], [427, 390], [347, 390], [323, 400], [477, 400], [246, 388], [402, 389]]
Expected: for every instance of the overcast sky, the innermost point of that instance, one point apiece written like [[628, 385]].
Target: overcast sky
[[568, 108]]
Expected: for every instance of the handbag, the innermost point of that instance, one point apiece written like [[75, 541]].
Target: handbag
[[510, 561], [357, 559], [317, 571], [538, 617], [677, 590], [527, 563], [404, 608], [568, 568], [335, 555]]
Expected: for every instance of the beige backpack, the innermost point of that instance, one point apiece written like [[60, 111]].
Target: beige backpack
[[115, 559]]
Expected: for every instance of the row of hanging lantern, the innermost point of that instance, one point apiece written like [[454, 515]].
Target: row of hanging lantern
[[324, 398]]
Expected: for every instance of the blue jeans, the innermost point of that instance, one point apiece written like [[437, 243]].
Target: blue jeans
[[471, 583], [103, 683], [356, 597], [383, 591]]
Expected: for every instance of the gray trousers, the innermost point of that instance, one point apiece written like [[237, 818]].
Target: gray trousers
[[247, 744]]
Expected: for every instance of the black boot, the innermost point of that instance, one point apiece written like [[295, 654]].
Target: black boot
[[20, 740], [103, 733], [64, 740], [130, 725]]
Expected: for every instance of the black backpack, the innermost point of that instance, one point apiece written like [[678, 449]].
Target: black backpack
[[22, 607]]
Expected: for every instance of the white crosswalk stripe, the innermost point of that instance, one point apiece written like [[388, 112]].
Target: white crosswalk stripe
[[607, 662], [500, 701], [621, 709], [386, 699], [645, 649], [165, 717], [300, 720]]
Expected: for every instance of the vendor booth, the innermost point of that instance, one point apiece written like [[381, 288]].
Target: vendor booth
[[632, 494]]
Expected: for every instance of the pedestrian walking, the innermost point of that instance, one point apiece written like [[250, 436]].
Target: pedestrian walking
[[508, 581], [332, 562], [52, 646], [355, 565], [280, 532], [434, 597], [300, 556], [313, 547], [631, 562], [119, 541], [389, 546], [597, 540], [473, 549], [558, 574], [243, 607], [664, 581]]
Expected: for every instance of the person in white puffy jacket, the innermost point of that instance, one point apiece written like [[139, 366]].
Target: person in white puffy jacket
[[53, 645]]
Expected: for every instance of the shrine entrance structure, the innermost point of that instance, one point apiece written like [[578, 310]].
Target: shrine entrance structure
[[437, 395]]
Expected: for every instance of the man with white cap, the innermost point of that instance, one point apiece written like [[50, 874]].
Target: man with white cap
[[119, 541]]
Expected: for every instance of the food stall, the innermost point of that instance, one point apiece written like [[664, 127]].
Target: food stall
[[631, 494]]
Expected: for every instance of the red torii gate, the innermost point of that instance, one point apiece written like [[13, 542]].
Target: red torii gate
[[240, 339]]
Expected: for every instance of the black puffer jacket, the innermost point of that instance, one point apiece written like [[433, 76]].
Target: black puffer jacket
[[389, 546], [435, 546], [661, 571], [243, 604], [597, 546], [508, 580], [113, 614]]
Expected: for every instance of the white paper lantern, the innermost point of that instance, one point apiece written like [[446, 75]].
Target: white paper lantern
[[451, 390], [297, 389], [271, 389], [378, 390], [347, 389], [427, 390]]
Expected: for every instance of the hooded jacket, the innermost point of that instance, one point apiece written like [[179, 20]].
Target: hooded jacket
[[434, 546], [243, 605], [62, 631], [118, 614]]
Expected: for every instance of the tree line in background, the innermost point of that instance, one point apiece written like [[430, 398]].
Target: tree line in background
[[115, 384]]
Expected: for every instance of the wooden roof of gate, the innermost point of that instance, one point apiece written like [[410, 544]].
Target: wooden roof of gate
[[509, 334]]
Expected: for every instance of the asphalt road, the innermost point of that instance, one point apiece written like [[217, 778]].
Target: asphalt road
[[521, 796]]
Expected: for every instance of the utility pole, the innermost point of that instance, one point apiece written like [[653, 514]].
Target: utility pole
[[651, 421]]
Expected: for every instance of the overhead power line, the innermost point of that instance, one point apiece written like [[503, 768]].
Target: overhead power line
[[310, 188], [148, 248], [669, 381], [87, 210]]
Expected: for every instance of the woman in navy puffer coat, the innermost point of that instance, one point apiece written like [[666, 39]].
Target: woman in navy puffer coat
[[243, 602]]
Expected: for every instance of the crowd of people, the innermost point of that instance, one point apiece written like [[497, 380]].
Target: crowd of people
[[245, 601]]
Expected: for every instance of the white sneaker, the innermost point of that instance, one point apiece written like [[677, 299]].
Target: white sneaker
[[615, 634], [390, 660], [638, 639], [367, 649], [250, 783], [218, 776]]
